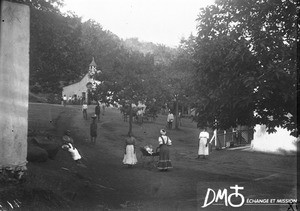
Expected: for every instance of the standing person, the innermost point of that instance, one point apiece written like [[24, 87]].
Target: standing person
[[170, 120], [93, 130], [97, 111], [164, 162], [139, 114], [179, 118], [103, 109], [203, 144], [129, 154], [64, 100], [84, 109]]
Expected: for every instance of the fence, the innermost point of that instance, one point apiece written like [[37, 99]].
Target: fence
[[230, 139]]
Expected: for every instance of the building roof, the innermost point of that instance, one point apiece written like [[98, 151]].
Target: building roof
[[93, 63]]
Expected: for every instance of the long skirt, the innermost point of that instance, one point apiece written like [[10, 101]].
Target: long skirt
[[203, 150], [130, 156], [164, 161]]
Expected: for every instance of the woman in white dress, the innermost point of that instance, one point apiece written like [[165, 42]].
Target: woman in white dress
[[203, 144], [130, 155]]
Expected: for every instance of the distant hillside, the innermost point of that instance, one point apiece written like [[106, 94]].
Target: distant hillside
[[162, 54], [136, 45]]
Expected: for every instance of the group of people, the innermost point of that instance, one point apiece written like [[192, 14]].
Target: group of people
[[97, 110], [71, 100], [68, 142], [170, 119], [164, 162], [130, 159]]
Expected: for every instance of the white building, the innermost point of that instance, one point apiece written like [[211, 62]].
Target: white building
[[79, 90]]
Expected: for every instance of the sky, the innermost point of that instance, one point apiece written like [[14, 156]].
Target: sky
[[158, 21]]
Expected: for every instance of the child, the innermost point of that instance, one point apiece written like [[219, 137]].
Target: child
[[93, 129], [74, 152]]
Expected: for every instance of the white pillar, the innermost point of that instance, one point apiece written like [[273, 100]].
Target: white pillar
[[14, 85]]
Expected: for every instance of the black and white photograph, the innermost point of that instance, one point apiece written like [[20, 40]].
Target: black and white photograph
[[149, 105]]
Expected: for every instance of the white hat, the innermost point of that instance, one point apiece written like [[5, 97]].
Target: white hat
[[94, 116], [163, 132]]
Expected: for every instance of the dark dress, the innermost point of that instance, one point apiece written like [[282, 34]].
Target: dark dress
[[97, 110], [93, 129], [164, 162]]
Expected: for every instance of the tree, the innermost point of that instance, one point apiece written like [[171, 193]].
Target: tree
[[102, 44], [55, 50], [124, 83], [223, 95], [246, 62], [179, 75]]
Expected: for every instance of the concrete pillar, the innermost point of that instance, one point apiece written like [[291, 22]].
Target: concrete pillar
[[14, 86]]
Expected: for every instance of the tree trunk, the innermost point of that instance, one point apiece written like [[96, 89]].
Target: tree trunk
[[130, 119], [176, 115]]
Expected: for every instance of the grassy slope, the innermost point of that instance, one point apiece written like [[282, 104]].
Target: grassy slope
[[55, 184]]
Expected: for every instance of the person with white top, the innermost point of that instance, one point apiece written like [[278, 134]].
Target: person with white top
[[203, 144], [129, 153], [170, 120], [73, 151], [64, 100], [164, 162], [84, 109]]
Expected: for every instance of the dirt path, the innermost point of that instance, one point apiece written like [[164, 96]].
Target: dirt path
[[106, 183]]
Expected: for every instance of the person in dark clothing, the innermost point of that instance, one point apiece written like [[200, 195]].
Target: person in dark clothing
[[93, 130], [67, 137], [97, 111], [165, 142]]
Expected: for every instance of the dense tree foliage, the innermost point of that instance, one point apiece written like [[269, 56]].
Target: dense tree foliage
[[62, 46], [127, 82], [55, 50], [246, 62], [179, 76], [239, 69]]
